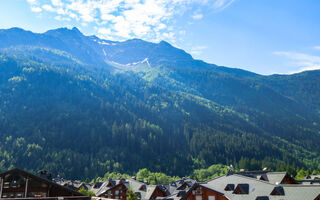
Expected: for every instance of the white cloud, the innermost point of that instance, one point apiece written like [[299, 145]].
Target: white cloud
[[197, 50], [147, 19], [59, 18], [197, 16], [32, 2], [49, 8], [182, 32], [302, 61], [57, 2], [317, 47], [36, 9], [222, 4]]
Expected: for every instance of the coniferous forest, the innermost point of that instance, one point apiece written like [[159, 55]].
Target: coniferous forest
[[78, 107]]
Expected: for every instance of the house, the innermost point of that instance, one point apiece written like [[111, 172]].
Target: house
[[74, 185], [178, 186], [240, 187], [200, 192], [19, 184], [271, 177], [117, 189]]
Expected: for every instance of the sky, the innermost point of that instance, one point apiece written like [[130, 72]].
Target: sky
[[262, 36]]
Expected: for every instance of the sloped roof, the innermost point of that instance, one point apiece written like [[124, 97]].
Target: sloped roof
[[276, 177], [130, 184], [150, 191], [175, 186], [261, 189], [298, 192], [255, 188], [39, 178]]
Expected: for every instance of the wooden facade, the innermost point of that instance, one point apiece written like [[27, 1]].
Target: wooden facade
[[19, 184], [198, 192], [158, 193], [287, 179], [117, 192]]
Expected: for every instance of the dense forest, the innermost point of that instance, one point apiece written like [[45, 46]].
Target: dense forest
[[79, 106]]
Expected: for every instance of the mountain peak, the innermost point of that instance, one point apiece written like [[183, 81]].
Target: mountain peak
[[164, 43], [64, 31], [75, 29]]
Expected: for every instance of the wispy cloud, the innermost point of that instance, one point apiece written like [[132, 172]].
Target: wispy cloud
[[197, 16], [36, 9], [124, 19], [32, 2], [303, 61], [220, 5], [317, 47], [197, 50]]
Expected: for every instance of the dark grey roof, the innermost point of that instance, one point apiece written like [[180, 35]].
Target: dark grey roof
[[130, 184], [258, 188]]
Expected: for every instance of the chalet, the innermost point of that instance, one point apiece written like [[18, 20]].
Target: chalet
[[239, 187], [117, 189], [19, 184], [271, 177], [74, 185], [200, 192], [177, 186]]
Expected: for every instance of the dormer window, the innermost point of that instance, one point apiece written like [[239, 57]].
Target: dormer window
[[173, 183], [229, 187], [241, 189], [262, 198], [278, 191], [263, 178], [110, 184], [142, 187]]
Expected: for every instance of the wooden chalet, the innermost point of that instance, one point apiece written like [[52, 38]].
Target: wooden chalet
[[19, 184], [199, 192], [117, 189]]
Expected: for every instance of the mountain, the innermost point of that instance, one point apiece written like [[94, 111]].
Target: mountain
[[79, 106]]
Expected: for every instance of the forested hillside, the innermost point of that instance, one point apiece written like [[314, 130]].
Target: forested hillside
[[79, 106]]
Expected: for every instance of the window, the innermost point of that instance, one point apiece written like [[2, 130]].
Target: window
[[278, 190], [19, 195], [14, 180], [211, 198], [6, 184], [37, 194], [197, 191], [229, 187], [241, 189], [198, 197]]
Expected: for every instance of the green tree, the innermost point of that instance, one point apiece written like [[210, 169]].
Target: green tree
[[131, 195], [86, 192], [301, 174], [291, 171]]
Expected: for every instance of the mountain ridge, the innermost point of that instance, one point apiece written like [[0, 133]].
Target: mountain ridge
[[64, 101]]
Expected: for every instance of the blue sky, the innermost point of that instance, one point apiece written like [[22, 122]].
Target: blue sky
[[263, 36]]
